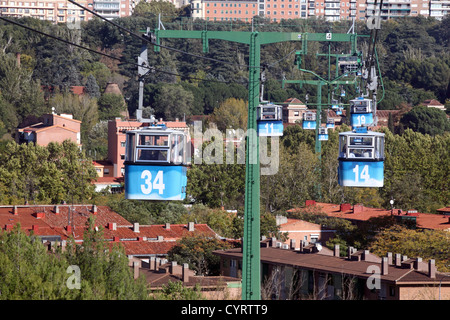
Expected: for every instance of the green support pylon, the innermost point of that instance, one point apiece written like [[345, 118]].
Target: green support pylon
[[251, 273], [251, 261]]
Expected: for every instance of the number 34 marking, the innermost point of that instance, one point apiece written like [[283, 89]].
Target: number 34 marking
[[157, 184]]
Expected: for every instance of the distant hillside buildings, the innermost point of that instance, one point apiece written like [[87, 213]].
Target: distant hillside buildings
[[62, 11]]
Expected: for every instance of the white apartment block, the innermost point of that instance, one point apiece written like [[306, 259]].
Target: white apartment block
[[53, 10]]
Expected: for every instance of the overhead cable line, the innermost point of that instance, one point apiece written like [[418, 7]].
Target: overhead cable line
[[151, 69], [156, 44]]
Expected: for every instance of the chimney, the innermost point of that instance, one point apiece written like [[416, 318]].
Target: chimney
[[160, 238], [431, 269], [136, 227], [136, 269], [94, 209], [112, 226], [116, 239], [8, 227], [152, 263], [167, 226], [39, 215], [358, 208], [365, 255], [389, 256], [56, 210], [293, 244], [69, 228], [384, 266], [191, 226], [336, 250], [349, 252], [417, 263], [345, 207], [15, 211], [18, 59], [303, 244], [35, 227], [185, 272], [175, 269], [398, 260], [273, 242]]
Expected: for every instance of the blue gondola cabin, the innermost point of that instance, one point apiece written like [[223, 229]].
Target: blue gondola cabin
[[361, 158], [323, 134], [270, 120], [361, 112], [155, 164], [309, 120]]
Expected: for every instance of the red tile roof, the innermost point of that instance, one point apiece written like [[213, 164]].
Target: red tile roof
[[432, 102], [43, 220], [293, 101], [423, 220], [176, 231], [55, 224], [145, 248]]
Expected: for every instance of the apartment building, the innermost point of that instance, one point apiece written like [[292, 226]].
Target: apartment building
[[330, 10], [310, 271], [51, 128], [111, 9], [58, 11]]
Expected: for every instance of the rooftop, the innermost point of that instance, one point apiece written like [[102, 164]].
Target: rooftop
[[362, 213], [356, 263]]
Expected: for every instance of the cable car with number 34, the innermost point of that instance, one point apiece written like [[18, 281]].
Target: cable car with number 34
[[155, 164]]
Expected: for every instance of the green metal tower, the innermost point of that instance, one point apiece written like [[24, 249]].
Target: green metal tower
[[251, 265]]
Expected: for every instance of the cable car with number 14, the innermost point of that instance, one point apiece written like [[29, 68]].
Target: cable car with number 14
[[361, 158]]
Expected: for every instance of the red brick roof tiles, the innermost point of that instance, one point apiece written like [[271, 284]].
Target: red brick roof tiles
[[362, 213]]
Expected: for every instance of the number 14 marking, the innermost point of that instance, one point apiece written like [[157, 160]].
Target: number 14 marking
[[364, 173]]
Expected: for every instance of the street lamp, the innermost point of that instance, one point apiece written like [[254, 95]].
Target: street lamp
[[392, 205]]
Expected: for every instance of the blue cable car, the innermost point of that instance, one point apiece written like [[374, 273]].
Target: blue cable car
[[270, 120], [330, 123], [155, 164], [309, 120], [361, 112], [323, 134], [361, 158]]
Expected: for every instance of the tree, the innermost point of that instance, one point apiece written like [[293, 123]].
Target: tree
[[91, 87], [28, 272], [175, 290], [427, 244], [155, 7], [196, 250], [231, 114], [426, 120], [104, 271], [172, 101], [58, 172], [110, 106]]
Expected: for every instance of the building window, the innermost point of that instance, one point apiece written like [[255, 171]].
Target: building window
[[105, 171], [122, 157]]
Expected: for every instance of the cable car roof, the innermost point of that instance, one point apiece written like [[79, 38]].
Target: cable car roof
[[368, 133], [157, 130]]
